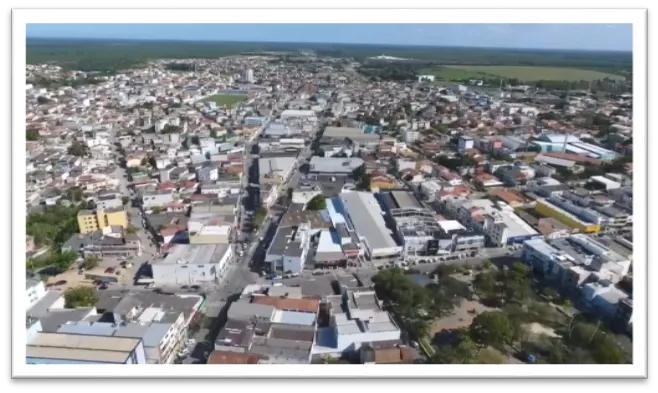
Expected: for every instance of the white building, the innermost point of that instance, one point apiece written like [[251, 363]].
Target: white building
[[496, 220], [410, 136], [571, 260], [35, 291], [162, 335], [298, 114], [189, 264], [366, 217], [357, 318], [249, 75]]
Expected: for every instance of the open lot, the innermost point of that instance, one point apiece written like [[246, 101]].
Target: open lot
[[225, 99], [523, 73]]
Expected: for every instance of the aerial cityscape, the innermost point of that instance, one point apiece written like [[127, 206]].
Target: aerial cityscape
[[257, 200]]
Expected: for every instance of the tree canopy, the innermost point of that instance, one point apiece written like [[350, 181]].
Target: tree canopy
[[318, 202], [55, 224], [78, 149], [492, 328], [80, 297], [32, 135]]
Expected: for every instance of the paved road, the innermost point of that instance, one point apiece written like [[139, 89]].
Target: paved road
[[429, 267]]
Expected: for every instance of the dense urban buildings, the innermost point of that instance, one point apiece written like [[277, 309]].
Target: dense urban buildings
[[276, 208]]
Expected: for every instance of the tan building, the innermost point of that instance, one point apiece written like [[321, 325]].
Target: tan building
[[90, 220]]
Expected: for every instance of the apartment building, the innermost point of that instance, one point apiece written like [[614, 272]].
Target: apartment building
[[93, 220]]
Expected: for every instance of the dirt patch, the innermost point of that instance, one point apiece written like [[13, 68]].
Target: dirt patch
[[462, 317]]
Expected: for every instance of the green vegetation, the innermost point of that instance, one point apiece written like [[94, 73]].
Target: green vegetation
[[90, 262], [54, 261], [454, 163], [132, 229], [361, 178], [522, 73], [222, 100], [317, 203], [78, 149], [80, 297], [53, 226], [32, 135], [125, 200], [109, 56], [51, 83], [506, 330], [417, 306]]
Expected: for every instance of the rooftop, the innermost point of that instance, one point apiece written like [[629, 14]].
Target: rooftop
[[367, 218], [195, 254], [102, 349]]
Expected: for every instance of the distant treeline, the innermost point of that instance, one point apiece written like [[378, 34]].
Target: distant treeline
[[409, 70], [112, 55], [49, 83], [180, 67]]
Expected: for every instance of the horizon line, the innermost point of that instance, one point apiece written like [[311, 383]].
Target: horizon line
[[324, 43]]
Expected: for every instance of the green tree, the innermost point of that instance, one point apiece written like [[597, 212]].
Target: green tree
[[78, 149], [131, 229], [492, 328], [125, 200], [485, 283], [463, 352], [318, 202], [487, 264], [91, 262], [32, 135], [80, 297]]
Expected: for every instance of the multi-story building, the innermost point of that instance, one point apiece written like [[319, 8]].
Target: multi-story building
[[93, 220], [192, 264], [277, 327], [111, 241], [63, 348], [161, 334], [578, 217], [356, 318], [570, 261], [496, 220]]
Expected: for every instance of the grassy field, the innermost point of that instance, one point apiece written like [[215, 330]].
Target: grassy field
[[225, 99], [519, 72]]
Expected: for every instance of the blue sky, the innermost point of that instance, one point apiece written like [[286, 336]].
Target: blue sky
[[535, 36]]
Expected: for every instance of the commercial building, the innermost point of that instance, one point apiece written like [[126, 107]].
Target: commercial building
[[334, 165], [354, 134], [90, 221], [570, 261], [63, 348], [578, 217], [356, 318], [191, 264], [298, 114], [364, 214], [291, 243], [110, 242], [496, 220], [275, 328]]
